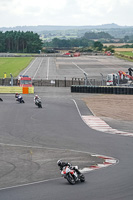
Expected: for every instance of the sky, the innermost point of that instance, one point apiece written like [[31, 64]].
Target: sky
[[65, 12]]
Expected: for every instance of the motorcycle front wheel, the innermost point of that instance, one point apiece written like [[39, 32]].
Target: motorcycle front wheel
[[70, 179]]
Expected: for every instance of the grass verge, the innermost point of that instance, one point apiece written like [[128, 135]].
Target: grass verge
[[13, 65]]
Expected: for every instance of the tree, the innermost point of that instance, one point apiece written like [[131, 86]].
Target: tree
[[98, 46], [21, 42], [110, 48], [99, 35], [2, 42]]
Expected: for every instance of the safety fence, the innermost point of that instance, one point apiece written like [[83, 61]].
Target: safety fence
[[55, 82], [102, 89]]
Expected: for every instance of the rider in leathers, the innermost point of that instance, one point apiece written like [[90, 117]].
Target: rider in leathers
[[62, 164], [36, 98]]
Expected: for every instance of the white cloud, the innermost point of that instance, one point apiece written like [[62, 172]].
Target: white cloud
[[36, 6], [96, 8], [65, 12]]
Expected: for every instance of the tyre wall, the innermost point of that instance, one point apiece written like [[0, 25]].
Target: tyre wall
[[102, 90]]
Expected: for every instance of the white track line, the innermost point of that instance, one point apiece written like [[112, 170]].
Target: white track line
[[38, 68], [79, 68], [29, 66], [47, 70], [108, 161], [28, 184]]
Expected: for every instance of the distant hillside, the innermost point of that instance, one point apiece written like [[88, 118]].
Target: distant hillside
[[48, 32], [41, 28]]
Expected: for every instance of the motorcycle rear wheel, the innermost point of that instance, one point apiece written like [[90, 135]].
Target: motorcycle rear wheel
[[39, 105]]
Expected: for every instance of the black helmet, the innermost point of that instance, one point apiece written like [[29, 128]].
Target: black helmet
[[59, 162]]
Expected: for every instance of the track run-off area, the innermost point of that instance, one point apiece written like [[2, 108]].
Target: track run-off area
[[74, 67], [32, 139]]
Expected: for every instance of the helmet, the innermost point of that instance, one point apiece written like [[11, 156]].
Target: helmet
[[36, 96], [59, 162], [16, 95]]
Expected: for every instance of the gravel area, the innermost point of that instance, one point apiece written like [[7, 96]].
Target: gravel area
[[116, 110], [118, 107]]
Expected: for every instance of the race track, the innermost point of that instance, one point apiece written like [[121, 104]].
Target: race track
[[56, 127], [32, 140]]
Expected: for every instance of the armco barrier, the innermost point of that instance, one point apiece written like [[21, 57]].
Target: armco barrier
[[102, 89], [16, 89]]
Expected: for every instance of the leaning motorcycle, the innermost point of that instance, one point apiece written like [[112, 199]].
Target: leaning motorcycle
[[38, 103], [72, 175], [20, 100]]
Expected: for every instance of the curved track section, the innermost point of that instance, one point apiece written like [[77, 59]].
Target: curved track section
[[58, 125]]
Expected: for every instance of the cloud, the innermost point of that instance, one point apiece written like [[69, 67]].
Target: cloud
[[65, 12], [96, 8], [34, 7]]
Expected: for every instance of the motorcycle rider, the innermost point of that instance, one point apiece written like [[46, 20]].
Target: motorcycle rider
[[18, 97], [62, 164], [36, 98]]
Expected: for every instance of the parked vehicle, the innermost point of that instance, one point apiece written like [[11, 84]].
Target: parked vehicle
[[24, 81], [120, 77]]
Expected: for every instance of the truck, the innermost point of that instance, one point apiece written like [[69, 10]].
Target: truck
[[120, 77], [24, 81]]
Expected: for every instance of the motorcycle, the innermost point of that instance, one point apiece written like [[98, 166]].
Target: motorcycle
[[38, 103], [72, 174], [20, 99]]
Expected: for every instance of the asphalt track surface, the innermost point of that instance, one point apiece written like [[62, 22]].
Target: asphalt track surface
[[58, 125], [74, 67], [33, 135]]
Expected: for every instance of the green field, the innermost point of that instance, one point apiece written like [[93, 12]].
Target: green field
[[128, 53], [13, 65]]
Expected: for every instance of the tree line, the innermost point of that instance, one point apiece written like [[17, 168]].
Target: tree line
[[88, 40], [20, 42], [99, 35], [80, 42]]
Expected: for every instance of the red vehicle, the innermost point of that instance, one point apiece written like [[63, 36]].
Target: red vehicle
[[67, 54], [108, 53], [24, 81], [76, 54]]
